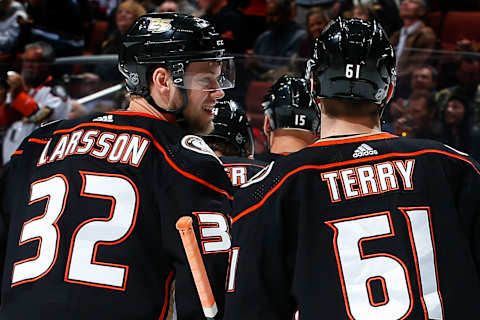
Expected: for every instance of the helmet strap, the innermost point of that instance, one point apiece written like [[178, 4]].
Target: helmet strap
[[177, 113]]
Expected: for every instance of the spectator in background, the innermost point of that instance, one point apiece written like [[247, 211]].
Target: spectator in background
[[274, 47], [468, 76], [168, 6], [317, 20], [423, 111], [50, 96], [331, 7], [62, 24], [125, 15], [413, 35], [423, 78], [10, 12], [15, 103], [449, 61], [363, 12], [457, 131], [183, 6], [226, 20]]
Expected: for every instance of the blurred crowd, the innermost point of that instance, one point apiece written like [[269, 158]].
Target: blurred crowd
[[437, 96]]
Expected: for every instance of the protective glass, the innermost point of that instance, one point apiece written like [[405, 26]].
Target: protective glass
[[209, 75]]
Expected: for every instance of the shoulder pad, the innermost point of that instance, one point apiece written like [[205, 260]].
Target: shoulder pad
[[196, 144]]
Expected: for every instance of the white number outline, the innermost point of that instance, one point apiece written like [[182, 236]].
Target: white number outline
[[210, 226], [234, 255], [420, 267], [84, 175], [48, 197], [57, 215], [433, 309], [364, 256]]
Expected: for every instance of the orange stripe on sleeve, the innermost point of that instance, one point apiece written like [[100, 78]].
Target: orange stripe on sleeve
[[35, 140], [18, 152], [345, 163]]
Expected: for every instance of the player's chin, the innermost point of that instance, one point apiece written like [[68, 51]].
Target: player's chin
[[201, 126], [205, 129]]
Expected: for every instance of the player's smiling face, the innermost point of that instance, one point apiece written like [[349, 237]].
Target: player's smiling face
[[202, 96]]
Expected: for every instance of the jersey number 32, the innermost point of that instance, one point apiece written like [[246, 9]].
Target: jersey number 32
[[82, 267]]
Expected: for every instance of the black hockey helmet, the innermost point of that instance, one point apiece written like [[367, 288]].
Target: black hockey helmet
[[353, 59], [175, 41], [290, 104], [231, 125]]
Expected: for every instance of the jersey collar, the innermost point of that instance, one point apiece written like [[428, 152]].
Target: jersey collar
[[352, 138]]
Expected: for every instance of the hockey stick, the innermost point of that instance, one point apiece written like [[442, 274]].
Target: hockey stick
[[189, 240]]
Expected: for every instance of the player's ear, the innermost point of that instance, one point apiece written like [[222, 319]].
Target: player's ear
[[266, 126], [161, 81]]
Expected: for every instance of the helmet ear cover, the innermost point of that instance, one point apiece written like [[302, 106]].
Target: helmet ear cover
[[354, 60]]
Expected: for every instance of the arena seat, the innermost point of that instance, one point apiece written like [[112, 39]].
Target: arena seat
[[255, 92], [434, 20], [459, 25], [97, 36]]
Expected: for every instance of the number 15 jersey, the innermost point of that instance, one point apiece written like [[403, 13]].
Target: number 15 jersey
[[371, 227], [90, 207]]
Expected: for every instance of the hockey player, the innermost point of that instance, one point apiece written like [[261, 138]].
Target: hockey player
[[362, 224], [90, 205], [232, 140], [291, 118]]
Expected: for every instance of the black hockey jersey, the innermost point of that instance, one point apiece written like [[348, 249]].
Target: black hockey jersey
[[240, 170], [370, 227], [91, 205], [269, 157]]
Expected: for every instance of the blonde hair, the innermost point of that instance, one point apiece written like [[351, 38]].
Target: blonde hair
[[317, 11], [133, 6]]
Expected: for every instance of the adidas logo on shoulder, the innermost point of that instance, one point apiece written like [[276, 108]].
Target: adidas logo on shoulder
[[364, 150], [106, 118]]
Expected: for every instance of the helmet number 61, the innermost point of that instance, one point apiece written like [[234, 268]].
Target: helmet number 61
[[349, 70]]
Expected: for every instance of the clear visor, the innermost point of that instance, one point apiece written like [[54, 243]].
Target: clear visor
[[208, 75]]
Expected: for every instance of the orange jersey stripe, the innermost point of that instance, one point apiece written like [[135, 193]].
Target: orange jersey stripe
[[356, 139], [157, 145], [345, 163], [242, 164], [35, 140], [168, 282], [18, 152]]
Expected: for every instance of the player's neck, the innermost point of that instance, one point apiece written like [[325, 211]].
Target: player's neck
[[337, 126], [141, 105], [284, 140]]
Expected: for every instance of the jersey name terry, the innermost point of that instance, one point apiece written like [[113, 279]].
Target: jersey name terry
[[369, 179], [124, 148]]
